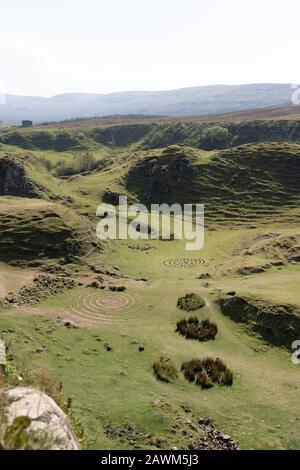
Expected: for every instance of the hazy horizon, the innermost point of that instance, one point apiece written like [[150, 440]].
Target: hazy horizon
[[105, 47], [74, 92]]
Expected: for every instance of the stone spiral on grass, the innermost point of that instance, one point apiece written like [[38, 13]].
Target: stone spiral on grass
[[105, 307], [184, 263]]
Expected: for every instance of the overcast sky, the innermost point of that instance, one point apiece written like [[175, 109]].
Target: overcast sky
[[49, 47]]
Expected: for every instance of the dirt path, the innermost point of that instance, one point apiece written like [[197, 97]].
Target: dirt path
[[12, 280]]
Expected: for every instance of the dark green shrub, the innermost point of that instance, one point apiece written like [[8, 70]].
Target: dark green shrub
[[81, 163], [46, 163], [190, 302], [165, 370], [215, 137]]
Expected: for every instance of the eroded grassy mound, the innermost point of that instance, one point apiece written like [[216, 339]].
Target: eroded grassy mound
[[258, 182], [279, 246], [277, 324], [32, 229]]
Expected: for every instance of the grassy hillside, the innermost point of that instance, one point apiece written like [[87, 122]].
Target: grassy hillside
[[101, 336], [153, 134], [245, 184]]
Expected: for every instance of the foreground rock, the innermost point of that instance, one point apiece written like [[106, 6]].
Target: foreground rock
[[44, 418]]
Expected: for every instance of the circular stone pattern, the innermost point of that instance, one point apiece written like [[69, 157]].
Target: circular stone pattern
[[114, 302], [183, 263], [99, 307]]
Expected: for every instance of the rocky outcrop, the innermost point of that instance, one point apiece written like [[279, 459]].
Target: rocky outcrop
[[112, 197], [34, 229], [43, 286], [164, 178], [14, 180], [281, 247], [278, 324], [244, 185], [43, 419], [212, 439]]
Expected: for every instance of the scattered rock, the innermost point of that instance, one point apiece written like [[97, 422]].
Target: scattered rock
[[204, 276], [126, 433], [117, 288], [43, 286], [213, 440], [94, 285]]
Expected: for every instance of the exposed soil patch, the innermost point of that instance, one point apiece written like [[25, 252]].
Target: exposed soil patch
[[43, 286]]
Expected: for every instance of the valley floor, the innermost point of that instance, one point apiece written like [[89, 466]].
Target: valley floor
[[260, 410]]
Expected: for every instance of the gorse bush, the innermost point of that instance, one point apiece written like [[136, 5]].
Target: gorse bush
[[81, 163], [194, 329], [46, 163], [165, 370], [207, 372], [190, 302]]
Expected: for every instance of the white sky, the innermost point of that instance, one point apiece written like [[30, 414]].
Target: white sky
[[49, 47]]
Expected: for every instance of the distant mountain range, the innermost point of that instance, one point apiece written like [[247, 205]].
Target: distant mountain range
[[202, 100]]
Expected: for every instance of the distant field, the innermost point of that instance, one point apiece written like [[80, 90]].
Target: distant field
[[271, 113]]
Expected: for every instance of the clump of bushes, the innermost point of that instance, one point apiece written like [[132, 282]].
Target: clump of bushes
[[192, 328], [215, 137], [207, 372], [81, 163], [165, 370], [190, 302]]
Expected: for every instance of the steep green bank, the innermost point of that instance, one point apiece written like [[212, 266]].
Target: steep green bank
[[277, 324]]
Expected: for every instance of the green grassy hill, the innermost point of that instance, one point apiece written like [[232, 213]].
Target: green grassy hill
[[100, 337], [251, 184]]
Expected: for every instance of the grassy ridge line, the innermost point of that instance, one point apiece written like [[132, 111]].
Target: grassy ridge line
[[207, 136]]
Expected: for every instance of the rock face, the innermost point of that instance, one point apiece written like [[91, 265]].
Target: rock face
[[13, 178], [277, 324], [45, 415], [167, 177]]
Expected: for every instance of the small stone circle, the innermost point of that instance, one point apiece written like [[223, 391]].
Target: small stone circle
[[183, 263]]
